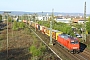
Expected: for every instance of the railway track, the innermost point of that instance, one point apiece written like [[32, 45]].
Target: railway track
[[86, 53], [62, 52]]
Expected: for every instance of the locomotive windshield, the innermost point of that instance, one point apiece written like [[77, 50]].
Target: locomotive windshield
[[74, 42]]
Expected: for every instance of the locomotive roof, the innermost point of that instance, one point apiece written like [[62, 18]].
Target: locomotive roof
[[66, 36]]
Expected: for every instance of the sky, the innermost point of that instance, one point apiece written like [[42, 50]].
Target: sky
[[65, 6]]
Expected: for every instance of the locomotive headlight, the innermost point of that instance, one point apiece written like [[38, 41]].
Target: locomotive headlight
[[75, 47], [72, 41]]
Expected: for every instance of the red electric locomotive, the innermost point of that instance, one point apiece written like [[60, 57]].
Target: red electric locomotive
[[69, 42]]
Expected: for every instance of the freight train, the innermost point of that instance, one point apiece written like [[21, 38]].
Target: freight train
[[65, 40]]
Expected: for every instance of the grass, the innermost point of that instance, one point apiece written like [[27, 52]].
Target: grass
[[88, 46], [2, 36]]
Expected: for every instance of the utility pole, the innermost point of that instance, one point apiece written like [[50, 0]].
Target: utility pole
[[12, 25], [27, 19], [52, 16], [42, 17], [30, 19], [51, 30], [84, 24], [35, 21], [7, 36], [50, 33], [7, 30]]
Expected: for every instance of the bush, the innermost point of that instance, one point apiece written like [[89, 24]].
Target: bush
[[18, 25], [15, 26], [21, 25], [27, 30]]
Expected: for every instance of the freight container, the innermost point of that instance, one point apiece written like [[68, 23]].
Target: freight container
[[19, 20], [33, 24], [48, 31], [38, 27], [55, 34], [24, 21], [30, 22], [45, 30], [43, 27]]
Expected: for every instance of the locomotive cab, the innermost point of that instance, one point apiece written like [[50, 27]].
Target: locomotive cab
[[74, 46]]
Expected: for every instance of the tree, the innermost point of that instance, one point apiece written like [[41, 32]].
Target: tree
[[78, 28], [33, 18], [89, 19], [35, 52], [21, 25], [65, 28], [9, 19], [88, 25], [0, 17], [15, 26], [42, 47]]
